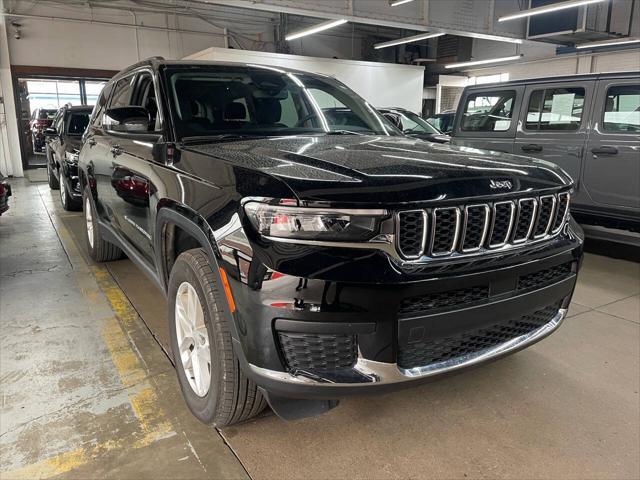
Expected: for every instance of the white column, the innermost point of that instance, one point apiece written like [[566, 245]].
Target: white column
[[10, 158]]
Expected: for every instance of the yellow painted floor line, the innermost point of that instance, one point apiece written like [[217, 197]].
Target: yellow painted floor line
[[153, 421]]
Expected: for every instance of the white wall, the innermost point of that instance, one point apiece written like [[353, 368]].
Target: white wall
[[94, 40], [381, 84]]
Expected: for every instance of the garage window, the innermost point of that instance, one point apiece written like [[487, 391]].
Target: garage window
[[555, 109], [622, 109], [488, 111]]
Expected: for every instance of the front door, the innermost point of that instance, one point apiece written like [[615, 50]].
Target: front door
[[553, 126], [612, 156]]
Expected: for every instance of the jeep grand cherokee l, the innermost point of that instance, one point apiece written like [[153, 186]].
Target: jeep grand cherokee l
[[303, 260]]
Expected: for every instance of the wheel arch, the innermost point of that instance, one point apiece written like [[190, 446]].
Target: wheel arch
[[178, 229]]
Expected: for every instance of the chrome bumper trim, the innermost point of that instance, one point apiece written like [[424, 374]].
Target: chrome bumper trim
[[386, 373]]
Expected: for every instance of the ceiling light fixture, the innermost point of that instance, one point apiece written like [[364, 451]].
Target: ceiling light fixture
[[395, 3], [609, 43], [415, 38], [483, 62], [554, 7], [495, 38], [315, 29]]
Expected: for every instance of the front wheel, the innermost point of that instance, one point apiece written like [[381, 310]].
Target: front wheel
[[214, 387], [99, 249], [54, 183]]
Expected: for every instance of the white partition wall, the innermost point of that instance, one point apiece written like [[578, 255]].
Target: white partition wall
[[381, 84]]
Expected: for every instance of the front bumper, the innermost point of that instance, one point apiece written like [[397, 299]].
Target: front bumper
[[318, 338]]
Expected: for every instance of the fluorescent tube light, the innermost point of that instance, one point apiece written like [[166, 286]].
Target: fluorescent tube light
[[315, 29], [395, 3], [554, 7], [483, 62], [400, 41], [495, 38], [608, 43]]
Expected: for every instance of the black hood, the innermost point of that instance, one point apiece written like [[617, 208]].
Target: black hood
[[375, 169]]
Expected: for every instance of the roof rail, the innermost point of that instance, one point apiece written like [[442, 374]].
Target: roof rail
[[146, 61]]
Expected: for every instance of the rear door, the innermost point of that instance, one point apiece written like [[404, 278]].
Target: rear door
[[612, 156], [487, 117], [553, 126]]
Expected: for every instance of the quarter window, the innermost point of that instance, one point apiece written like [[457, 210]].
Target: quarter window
[[622, 109], [555, 109], [488, 111]]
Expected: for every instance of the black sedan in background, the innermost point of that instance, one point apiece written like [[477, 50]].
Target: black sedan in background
[[413, 125]]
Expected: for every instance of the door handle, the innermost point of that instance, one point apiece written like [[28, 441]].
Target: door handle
[[604, 150], [531, 147], [116, 150]]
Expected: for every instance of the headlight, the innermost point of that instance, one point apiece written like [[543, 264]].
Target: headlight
[[71, 157], [314, 223]]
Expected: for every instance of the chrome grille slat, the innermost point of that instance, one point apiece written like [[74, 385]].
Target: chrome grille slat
[[470, 229], [445, 231], [525, 219], [502, 237], [475, 228]]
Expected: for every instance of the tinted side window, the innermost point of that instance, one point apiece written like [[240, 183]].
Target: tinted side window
[[555, 109], [98, 109], [622, 109], [488, 111], [122, 92], [145, 96]]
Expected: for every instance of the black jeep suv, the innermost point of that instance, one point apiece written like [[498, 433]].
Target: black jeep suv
[[63, 142], [305, 260]]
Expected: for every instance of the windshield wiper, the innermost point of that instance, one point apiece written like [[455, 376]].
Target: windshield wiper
[[216, 138], [348, 132]]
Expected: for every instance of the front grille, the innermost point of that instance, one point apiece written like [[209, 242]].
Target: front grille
[[475, 227], [444, 230], [524, 220], [442, 300], [544, 277], [545, 212], [318, 352], [427, 352], [561, 212], [471, 228], [411, 235]]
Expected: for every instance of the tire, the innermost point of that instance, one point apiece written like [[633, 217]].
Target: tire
[[54, 183], [65, 199], [231, 397], [99, 249]]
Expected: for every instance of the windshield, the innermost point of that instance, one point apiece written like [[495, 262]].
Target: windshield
[[76, 123], [250, 101], [46, 114], [412, 123]]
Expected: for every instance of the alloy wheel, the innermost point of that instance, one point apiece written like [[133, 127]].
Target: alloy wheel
[[193, 339], [63, 192], [88, 215]]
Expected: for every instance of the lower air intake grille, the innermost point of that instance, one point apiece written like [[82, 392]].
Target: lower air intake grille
[[318, 352], [424, 304], [427, 352], [544, 277]]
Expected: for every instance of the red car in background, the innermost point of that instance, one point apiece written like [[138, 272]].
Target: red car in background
[[41, 118]]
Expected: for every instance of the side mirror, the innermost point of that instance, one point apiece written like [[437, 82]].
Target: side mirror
[[130, 119], [50, 132]]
